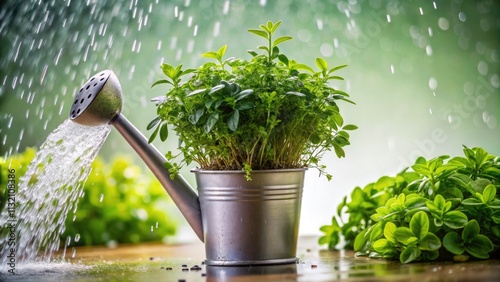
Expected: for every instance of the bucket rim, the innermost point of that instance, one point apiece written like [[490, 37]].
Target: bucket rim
[[280, 170]]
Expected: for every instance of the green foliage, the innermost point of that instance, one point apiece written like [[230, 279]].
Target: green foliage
[[121, 204], [432, 212], [268, 112]]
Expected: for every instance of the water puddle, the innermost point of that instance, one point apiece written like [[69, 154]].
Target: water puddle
[[34, 220]]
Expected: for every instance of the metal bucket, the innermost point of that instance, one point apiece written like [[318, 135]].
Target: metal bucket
[[250, 222]]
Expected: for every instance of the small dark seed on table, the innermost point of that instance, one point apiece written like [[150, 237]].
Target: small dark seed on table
[[203, 274], [151, 258], [313, 266], [185, 269], [184, 265], [168, 268]]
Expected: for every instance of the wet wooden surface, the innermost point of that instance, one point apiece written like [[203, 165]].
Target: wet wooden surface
[[159, 262]]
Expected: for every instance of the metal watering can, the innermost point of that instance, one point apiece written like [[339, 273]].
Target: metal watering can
[[241, 222]]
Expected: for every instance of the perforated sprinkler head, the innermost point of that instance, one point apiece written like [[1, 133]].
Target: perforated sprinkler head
[[99, 101]]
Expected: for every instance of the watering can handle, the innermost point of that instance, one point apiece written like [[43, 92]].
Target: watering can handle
[[179, 190]]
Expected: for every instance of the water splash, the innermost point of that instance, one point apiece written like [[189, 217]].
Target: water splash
[[48, 191]]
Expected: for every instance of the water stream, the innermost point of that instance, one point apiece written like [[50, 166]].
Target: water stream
[[51, 187]]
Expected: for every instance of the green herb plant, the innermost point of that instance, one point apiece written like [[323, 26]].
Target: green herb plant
[[121, 203], [267, 112], [440, 209]]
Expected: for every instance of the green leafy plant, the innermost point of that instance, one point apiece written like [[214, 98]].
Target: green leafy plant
[[267, 112], [431, 212], [121, 203]]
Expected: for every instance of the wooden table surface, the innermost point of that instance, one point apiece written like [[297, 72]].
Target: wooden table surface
[[160, 262]]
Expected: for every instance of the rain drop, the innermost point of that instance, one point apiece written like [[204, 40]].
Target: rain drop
[[77, 237], [190, 46], [225, 9], [216, 29], [421, 11], [450, 119], [101, 198], [319, 22], [392, 69], [73, 252], [482, 68], [388, 18], [262, 2], [433, 83], [462, 17], [443, 23], [428, 50], [195, 32], [326, 50]]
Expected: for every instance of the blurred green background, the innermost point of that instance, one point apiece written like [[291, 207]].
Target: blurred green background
[[424, 74]]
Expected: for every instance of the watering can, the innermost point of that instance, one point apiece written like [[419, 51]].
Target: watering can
[[241, 222]]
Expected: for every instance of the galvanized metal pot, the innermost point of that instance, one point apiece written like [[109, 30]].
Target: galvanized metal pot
[[250, 222]]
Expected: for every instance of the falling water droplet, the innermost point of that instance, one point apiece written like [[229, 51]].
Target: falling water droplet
[[190, 46], [429, 30], [392, 69], [262, 2], [73, 252], [462, 17], [74, 217], [435, 5], [176, 11], [157, 225], [190, 21], [101, 198], [319, 22], [195, 32], [10, 121], [68, 241], [388, 18], [225, 9], [159, 45], [44, 72], [173, 42], [421, 11], [430, 111], [216, 29], [428, 50], [482, 68], [450, 119], [77, 237], [152, 228], [433, 83], [443, 23]]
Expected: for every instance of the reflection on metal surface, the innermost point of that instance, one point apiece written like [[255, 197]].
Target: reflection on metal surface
[[222, 273]]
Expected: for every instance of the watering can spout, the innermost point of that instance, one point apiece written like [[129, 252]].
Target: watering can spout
[[99, 101]]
